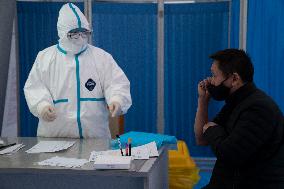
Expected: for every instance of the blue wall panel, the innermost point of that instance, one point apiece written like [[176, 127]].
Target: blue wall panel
[[235, 17], [265, 45], [129, 33], [192, 33]]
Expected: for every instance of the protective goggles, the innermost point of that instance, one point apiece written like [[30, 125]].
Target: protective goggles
[[77, 34]]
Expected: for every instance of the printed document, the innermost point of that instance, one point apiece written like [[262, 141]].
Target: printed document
[[112, 162], [64, 162], [50, 146], [11, 149], [140, 152]]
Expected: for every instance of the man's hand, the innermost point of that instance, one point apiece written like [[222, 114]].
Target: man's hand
[[202, 89], [207, 125], [115, 109], [48, 113]]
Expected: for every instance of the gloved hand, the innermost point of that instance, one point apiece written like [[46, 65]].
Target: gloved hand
[[114, 109], [48, 113]]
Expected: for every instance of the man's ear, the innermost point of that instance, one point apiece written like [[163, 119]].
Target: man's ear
[[237, 81]]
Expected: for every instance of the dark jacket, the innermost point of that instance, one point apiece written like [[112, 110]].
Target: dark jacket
[[248, 142]]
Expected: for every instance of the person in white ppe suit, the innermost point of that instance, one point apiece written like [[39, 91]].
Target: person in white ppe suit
[[73, 86]]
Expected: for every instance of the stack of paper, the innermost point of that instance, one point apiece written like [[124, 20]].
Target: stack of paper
[[144, 151], [64, 162], [50, 146], [12, 149], [141, 152], [95, 154], [112, 162]]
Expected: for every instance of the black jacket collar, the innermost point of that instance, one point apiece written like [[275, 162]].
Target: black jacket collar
[[241, 93]]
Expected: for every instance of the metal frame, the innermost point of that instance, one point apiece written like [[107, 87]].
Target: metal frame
[[17, 71], [243, 24], [88, 13], [165, 1], [160, 68], [134, 1], [6, 39], [229, 24], [127, 1], [160, 44], [51, 1]]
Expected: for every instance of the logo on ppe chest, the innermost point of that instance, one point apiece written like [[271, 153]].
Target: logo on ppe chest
[[90, 84]]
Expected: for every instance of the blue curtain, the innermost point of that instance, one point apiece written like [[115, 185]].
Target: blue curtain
[[235, 16], [37, 30], [192, 33], [128, 32], [265, 45]]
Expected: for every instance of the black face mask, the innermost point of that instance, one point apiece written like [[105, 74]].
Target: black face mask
[[220, 92]]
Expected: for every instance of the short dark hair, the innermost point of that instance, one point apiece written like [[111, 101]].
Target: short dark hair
[[234, 61]]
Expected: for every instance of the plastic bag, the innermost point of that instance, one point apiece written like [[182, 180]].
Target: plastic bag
[[183, 173]]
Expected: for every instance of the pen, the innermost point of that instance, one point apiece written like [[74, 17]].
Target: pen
[[129, 146], [126, 149], [119, 143], [1, 147]]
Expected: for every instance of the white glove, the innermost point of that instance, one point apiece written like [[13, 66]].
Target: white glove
[[48, 113], [115, 109]]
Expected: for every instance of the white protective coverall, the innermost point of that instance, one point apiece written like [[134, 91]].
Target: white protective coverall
[[78, 82]]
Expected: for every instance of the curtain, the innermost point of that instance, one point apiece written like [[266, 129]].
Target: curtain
[[235, 16], [192, 32], [265, 45], [129, 32]]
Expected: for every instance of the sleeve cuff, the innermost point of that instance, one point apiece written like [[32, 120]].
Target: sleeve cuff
[[213, 133], [116, 99], [120, 101]]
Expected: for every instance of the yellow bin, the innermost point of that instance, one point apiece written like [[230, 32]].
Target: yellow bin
[[183, 173]]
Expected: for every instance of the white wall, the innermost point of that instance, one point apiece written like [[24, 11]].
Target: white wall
[[10, 125]]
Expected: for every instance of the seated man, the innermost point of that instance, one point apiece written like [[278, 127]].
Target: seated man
[[247, 134]]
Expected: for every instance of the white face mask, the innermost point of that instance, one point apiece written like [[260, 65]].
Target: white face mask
[[80, 42], [73, 46]]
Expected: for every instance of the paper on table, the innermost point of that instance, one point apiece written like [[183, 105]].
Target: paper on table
[[112, 162], [141, 152], [145, 151], [12, 149], [95, 154], [50, 146], [64, 162], [1, 141], [152, 148]]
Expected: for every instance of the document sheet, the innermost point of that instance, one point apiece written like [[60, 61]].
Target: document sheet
[[140, 152], [112, 162], [64, 162], [50, 146], [12, 149]]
